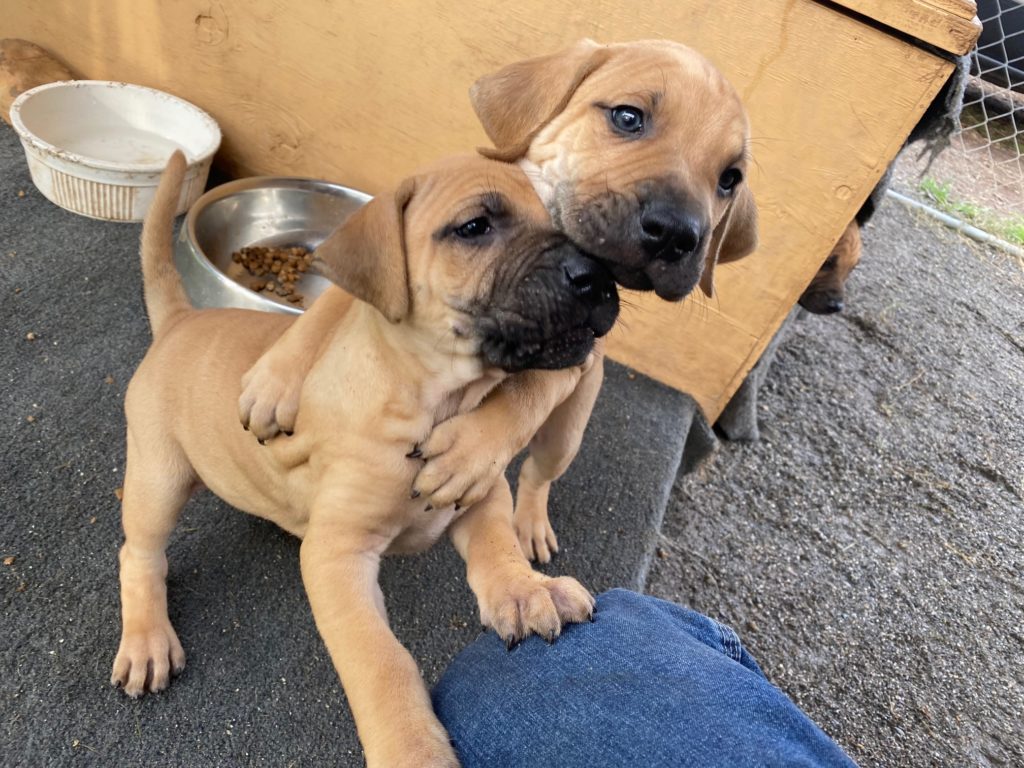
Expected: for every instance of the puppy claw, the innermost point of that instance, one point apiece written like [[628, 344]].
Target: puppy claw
[[536, 536], [526, 603], [261, 441], [461, 463], [147, 660], [415, 453], [415, 494]]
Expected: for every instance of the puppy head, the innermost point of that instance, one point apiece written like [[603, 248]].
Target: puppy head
[[827, 292], [639, 151], [465, 256]]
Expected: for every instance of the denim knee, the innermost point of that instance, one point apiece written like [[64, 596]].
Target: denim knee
[[648, 683]]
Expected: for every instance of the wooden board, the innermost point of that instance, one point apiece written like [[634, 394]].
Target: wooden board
[[951, 25], [363, 92]]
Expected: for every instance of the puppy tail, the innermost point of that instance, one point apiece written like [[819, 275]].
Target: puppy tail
[[165, 297]]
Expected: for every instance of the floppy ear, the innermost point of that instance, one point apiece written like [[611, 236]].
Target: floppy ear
[[366, 255], [515, 102], [733, 238], [848, 250]]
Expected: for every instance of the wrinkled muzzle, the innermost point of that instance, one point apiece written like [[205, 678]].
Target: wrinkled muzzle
[[549, 315]]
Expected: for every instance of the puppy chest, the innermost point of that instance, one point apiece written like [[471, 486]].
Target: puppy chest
[[423, 529]]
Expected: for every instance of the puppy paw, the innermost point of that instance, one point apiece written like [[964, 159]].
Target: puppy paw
[[533, 528], [463, 461], [532, 603], [147, 659], [269, 401]]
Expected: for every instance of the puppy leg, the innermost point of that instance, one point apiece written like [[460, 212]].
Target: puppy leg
[[389, 701], [551, 452], [514, 599], [270, 389], [156, 486], [466, 454]]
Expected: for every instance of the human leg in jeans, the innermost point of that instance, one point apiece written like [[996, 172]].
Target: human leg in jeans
[[647, 684]]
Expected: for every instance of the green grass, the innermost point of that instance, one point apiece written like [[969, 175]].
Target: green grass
[[940, 193]]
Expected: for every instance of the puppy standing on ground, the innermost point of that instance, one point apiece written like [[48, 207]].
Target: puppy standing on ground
[[639, 151], [458, 277]]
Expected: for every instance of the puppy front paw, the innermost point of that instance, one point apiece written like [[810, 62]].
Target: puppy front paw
[[533, 526], [269, 401], [146, 660], [532, 603], [536, 536], [463, 461]]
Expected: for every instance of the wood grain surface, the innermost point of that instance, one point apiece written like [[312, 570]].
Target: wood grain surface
[[950, 25], [363, 92]]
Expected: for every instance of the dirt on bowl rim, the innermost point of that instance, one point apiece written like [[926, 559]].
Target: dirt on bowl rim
[[105, 165]]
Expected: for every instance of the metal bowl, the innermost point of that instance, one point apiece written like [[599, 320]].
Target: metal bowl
[[265, 211]]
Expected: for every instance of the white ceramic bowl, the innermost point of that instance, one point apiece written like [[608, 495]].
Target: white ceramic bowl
[[98, 148]]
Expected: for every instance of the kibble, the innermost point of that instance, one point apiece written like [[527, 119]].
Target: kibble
[[284, 264]]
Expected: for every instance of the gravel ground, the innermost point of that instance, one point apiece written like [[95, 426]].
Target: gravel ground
[[869, 547]]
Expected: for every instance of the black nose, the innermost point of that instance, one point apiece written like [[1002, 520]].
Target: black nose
[[833, 305], [670, 233], [588, 280]]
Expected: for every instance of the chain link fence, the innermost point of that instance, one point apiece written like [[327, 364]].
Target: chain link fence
[[992, 119]]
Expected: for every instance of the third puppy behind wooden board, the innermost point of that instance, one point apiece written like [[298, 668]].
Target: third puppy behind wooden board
[[827, 292]]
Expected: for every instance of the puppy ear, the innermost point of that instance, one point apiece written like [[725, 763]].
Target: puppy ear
[[366, 255], [515, 102], [733, 238], [848, 250]]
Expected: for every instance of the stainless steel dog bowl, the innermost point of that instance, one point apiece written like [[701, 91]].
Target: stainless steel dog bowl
[[260, 211]]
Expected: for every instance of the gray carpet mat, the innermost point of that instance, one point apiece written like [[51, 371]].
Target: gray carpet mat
[[259, 688]]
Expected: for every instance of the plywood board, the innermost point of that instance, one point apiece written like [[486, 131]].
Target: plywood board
[[950, 25], [363, 92]]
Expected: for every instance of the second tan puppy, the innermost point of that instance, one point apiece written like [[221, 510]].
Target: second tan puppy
[[458, 277], [827, 292], [639, 151]]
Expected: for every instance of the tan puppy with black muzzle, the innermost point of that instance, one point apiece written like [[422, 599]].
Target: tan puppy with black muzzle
[[640, 152], [454, 279], [826, 293]]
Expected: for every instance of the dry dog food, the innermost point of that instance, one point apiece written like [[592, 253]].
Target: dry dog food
[[282, 268]]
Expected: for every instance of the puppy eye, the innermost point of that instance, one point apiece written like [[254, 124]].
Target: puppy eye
[[830, 262], [729, 180], [477, 227], [627, 119]]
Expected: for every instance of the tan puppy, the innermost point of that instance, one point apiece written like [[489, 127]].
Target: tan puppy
[[827, 292], [458, 276], [639, 151]]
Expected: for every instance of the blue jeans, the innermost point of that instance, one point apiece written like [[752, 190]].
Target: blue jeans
[[648, 684]]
